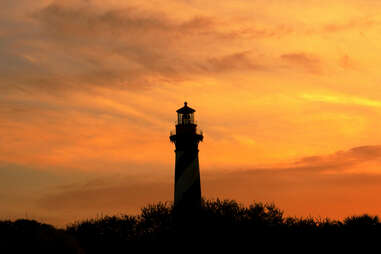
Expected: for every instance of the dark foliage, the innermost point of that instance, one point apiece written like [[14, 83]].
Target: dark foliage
[[218, 222], [29, 236]]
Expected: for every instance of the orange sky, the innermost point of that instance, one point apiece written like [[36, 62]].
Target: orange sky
[[287, 93]]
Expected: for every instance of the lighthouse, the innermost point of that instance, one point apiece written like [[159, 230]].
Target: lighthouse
[[186, 138]]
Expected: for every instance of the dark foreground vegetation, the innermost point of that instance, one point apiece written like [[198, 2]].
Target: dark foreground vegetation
[[218, 223]]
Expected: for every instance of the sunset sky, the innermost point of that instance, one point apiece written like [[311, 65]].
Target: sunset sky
[[287, 93]]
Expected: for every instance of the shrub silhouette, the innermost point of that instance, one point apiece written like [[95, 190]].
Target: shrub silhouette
[[216, 221], [29, 236], [362, 223], [105, 234]]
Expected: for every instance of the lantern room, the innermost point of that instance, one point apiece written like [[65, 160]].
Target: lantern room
[[186, 133], [185, 115]]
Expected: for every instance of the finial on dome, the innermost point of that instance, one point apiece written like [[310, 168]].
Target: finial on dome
[[185, 109]]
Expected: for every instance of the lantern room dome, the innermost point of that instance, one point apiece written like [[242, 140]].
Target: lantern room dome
[[185, 109]]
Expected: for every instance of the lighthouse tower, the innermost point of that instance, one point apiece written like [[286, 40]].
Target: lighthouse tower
[[187, 171]]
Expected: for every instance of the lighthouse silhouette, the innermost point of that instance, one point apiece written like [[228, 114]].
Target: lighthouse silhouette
[[186, 138]]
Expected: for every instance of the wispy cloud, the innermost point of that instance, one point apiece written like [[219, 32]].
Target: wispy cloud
[[308, 62], [357, 23], [127, 47], [341, 99], [278, 183]]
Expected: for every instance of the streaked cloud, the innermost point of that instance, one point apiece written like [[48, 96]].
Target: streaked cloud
[[341, 99], [83, 43], [305, 61], [358, 23], [278, 183]]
